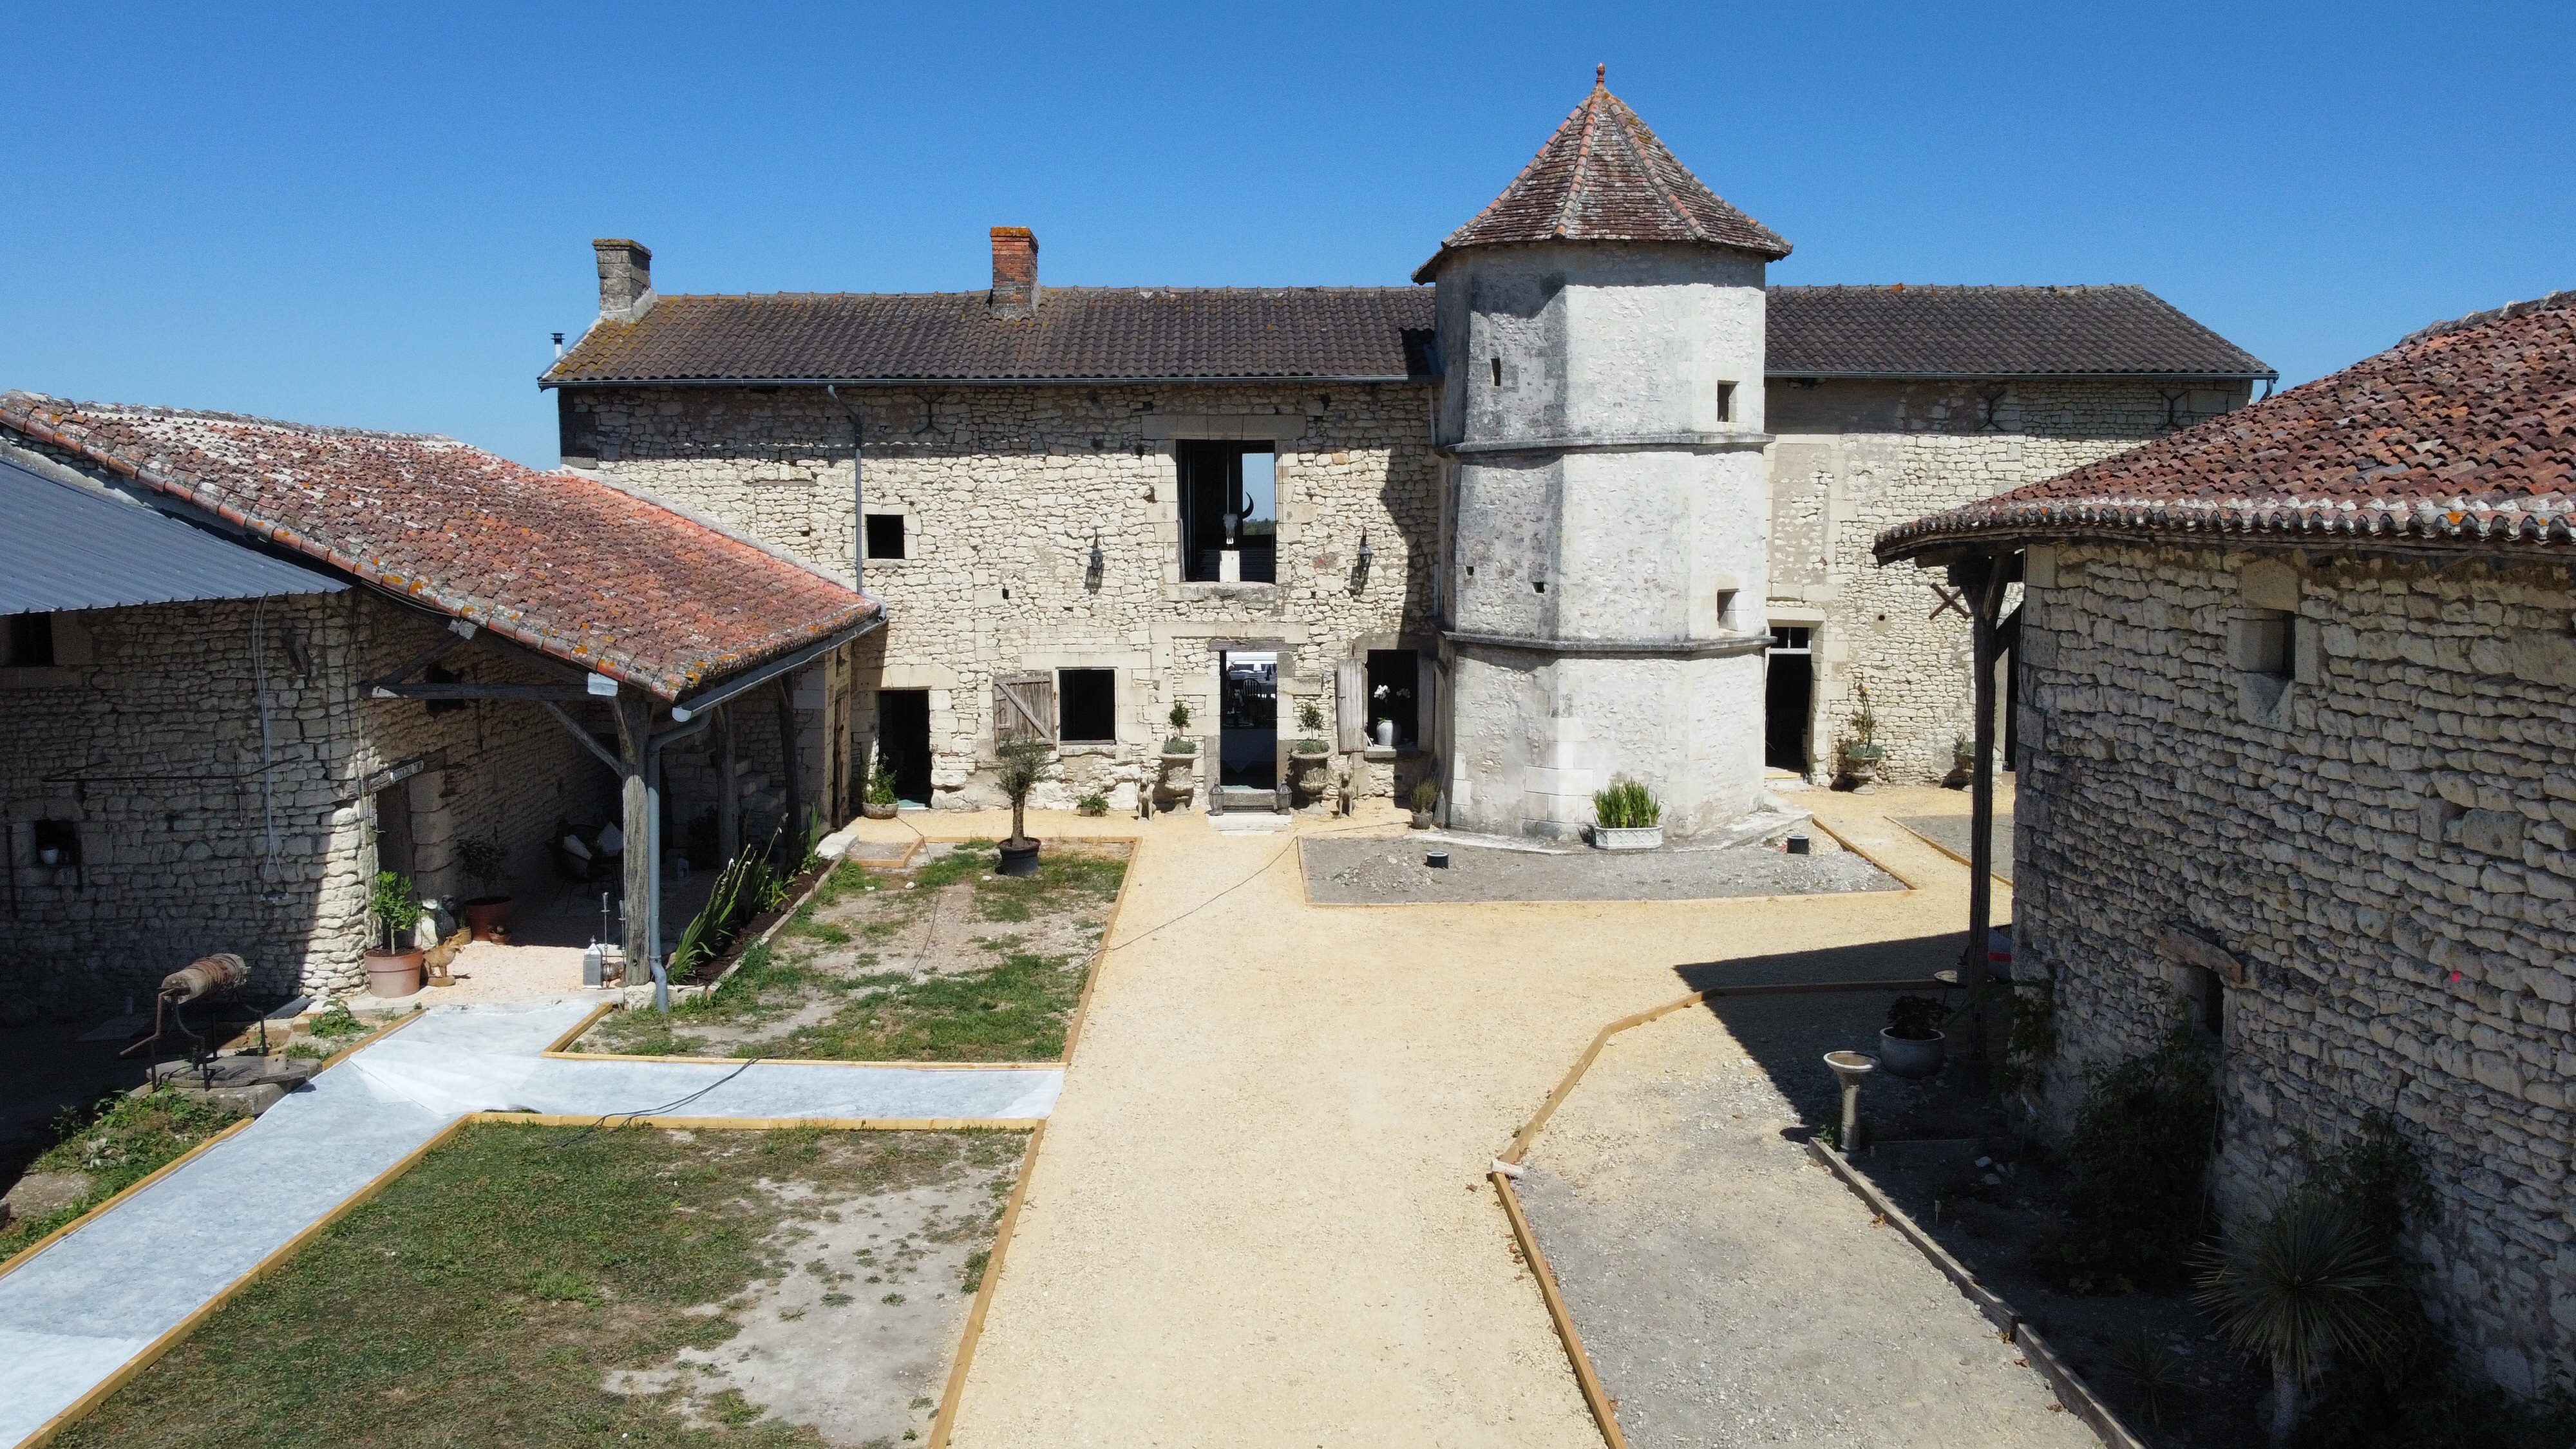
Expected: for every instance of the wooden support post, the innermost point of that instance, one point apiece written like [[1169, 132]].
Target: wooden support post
[[634, 713], [1982, 580], [728, 789], [792, 840]]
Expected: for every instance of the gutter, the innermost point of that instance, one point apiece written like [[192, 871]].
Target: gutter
[[1107, 380], [698, 704]]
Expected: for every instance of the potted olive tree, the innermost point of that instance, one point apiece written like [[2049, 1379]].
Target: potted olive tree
[[1025, 764], [486, 915], [879, 798], [393, 969], [1911, 1045], [1179, 760], [1627, 816], [1862, 752], [1311, 757]]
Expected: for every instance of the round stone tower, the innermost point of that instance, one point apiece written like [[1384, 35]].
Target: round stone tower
[[1606, 512]]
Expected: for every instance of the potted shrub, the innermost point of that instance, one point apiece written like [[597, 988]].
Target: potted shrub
[[1426, 800], [879, 800], [1025, 764], [1862, 752], [1963, 761], [1627, 816], [1911, 1045], [393, 970], [1094, 804], [1180, 759], [1310, 759], [486, 915]]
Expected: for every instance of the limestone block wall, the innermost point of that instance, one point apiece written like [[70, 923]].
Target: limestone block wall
[[2384, 835], [1856, 457], [1005, 489]]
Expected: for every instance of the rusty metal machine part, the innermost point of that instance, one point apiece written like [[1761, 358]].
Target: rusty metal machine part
[[205, 976]]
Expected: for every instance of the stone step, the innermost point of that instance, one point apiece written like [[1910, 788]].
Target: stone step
[[1247, 799]]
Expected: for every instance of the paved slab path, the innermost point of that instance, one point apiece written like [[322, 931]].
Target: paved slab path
[[78, 1311], [1259, 1215]]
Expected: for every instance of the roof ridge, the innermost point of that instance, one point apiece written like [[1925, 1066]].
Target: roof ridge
[[2552, 302]]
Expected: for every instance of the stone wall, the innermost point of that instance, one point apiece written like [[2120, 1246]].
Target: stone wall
[[1004, 491], [2381, 828], [1856, 457]]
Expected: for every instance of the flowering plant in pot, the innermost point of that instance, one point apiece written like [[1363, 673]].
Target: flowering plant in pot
[[393, 970], [488, 914], [879, 802], [1911, 1045], [1025, 764]]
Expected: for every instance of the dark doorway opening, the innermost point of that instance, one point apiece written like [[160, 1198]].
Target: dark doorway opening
[[1229, 505], [1393, 678], [1249, 746], [393, 830], [1789, 697], [903, 738]]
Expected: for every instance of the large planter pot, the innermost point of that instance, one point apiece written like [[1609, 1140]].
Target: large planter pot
[[488, 917], [1638, 837], [393, 973], [874, 811], [1019, 858], [1313, 772], [1907, 1056]]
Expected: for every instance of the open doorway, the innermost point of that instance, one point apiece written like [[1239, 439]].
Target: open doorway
[[393, 830], [1789, 698], [903, 737], [1249, 714]]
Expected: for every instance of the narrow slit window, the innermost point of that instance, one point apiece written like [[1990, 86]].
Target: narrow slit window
[[1726, 402], [885, 535], [1498, 372]]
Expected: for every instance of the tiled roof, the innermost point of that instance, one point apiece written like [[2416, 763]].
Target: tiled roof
[[570, 566], [2462, 435], [1604, 177], [1902, 331], [1164, 334]]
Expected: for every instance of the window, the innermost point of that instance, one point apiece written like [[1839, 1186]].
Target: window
[[1726, 402], [2207, 997], [1394, 681], [1726, 609], [885, 535], [1087, 706], [2264, 642], [1229, 506], [30, 641], [1790, 639]]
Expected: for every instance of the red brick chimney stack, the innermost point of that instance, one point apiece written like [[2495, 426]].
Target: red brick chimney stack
[[1015, 273]]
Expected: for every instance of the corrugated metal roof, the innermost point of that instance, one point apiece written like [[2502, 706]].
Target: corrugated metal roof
[[63, 547]]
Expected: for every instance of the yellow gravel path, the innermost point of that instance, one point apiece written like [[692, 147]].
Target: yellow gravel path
[[1259, 1214]]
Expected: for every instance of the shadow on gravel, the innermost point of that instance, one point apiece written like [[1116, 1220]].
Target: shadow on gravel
[[1788, 1035]]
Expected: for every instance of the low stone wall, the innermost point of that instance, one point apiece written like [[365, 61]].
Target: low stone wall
[[2381, 830]]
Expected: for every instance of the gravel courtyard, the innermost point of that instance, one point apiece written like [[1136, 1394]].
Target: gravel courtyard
[[1389, 870]]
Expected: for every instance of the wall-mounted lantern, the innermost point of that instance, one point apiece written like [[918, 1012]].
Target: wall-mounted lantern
[[1099, 562], [1360, 569]]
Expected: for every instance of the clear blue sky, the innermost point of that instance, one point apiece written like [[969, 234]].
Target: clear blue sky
[[373, 216]]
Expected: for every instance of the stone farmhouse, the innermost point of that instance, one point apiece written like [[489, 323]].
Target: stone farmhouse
[[2297, 752], [1588, 500], [248, 664]]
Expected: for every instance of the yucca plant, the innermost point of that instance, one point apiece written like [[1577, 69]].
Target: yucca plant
[[2301, 1289], [1626, 805]]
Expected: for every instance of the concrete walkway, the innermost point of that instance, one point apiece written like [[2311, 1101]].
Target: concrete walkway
[[1259, 1216], [78, 1311]]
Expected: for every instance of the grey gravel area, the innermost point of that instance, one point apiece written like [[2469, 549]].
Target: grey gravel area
[[1388, 870], [1955, 833], [1730, 1292]]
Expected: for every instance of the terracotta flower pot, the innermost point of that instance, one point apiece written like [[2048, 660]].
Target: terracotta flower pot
[[488, 917], [393, 973]]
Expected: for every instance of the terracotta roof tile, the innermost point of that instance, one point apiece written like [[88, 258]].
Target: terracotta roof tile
[[2463, 435], [570, 566], [1605, 177]]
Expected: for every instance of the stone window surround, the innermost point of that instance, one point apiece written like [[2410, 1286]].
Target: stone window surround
[[1280, 430]]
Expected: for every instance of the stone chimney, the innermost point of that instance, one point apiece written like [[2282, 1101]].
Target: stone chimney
[[1015, 273], [625, 279]]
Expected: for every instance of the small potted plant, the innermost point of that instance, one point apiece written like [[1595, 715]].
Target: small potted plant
[[1862, 752], [878, 802], [1025, 764], [1180, 759], [1094, 804], [1627, 816], [1426, 802], [486, 915], [1963, 762], [393, 969], [1911, 1045]]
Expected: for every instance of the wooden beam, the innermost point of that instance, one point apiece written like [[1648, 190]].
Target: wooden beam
[[1982, 579], [794, 834], [574, 728], [427, 657], [634, 730], [482, 691], [728, 788]]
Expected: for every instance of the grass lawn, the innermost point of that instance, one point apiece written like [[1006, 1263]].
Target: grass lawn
[[566, 1286], [942, 962], [129, 1139]]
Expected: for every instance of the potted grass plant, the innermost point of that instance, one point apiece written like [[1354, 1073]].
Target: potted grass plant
[[1426, 804], [878, 802], [1025, 764], [485, 861], [1627, 816], [1911, 1044], [393, 968]]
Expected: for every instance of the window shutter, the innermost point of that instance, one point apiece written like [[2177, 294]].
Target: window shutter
[[1426, 699], [1350, 702], [1023, 706]]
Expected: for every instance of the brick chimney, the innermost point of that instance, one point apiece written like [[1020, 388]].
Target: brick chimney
[[625, 279], [1015, 273]]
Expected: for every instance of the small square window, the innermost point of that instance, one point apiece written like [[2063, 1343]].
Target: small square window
[[1087, 706], [1726, 402], [1726, 609], [30, 641], [2264, 642], [885, 535]]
